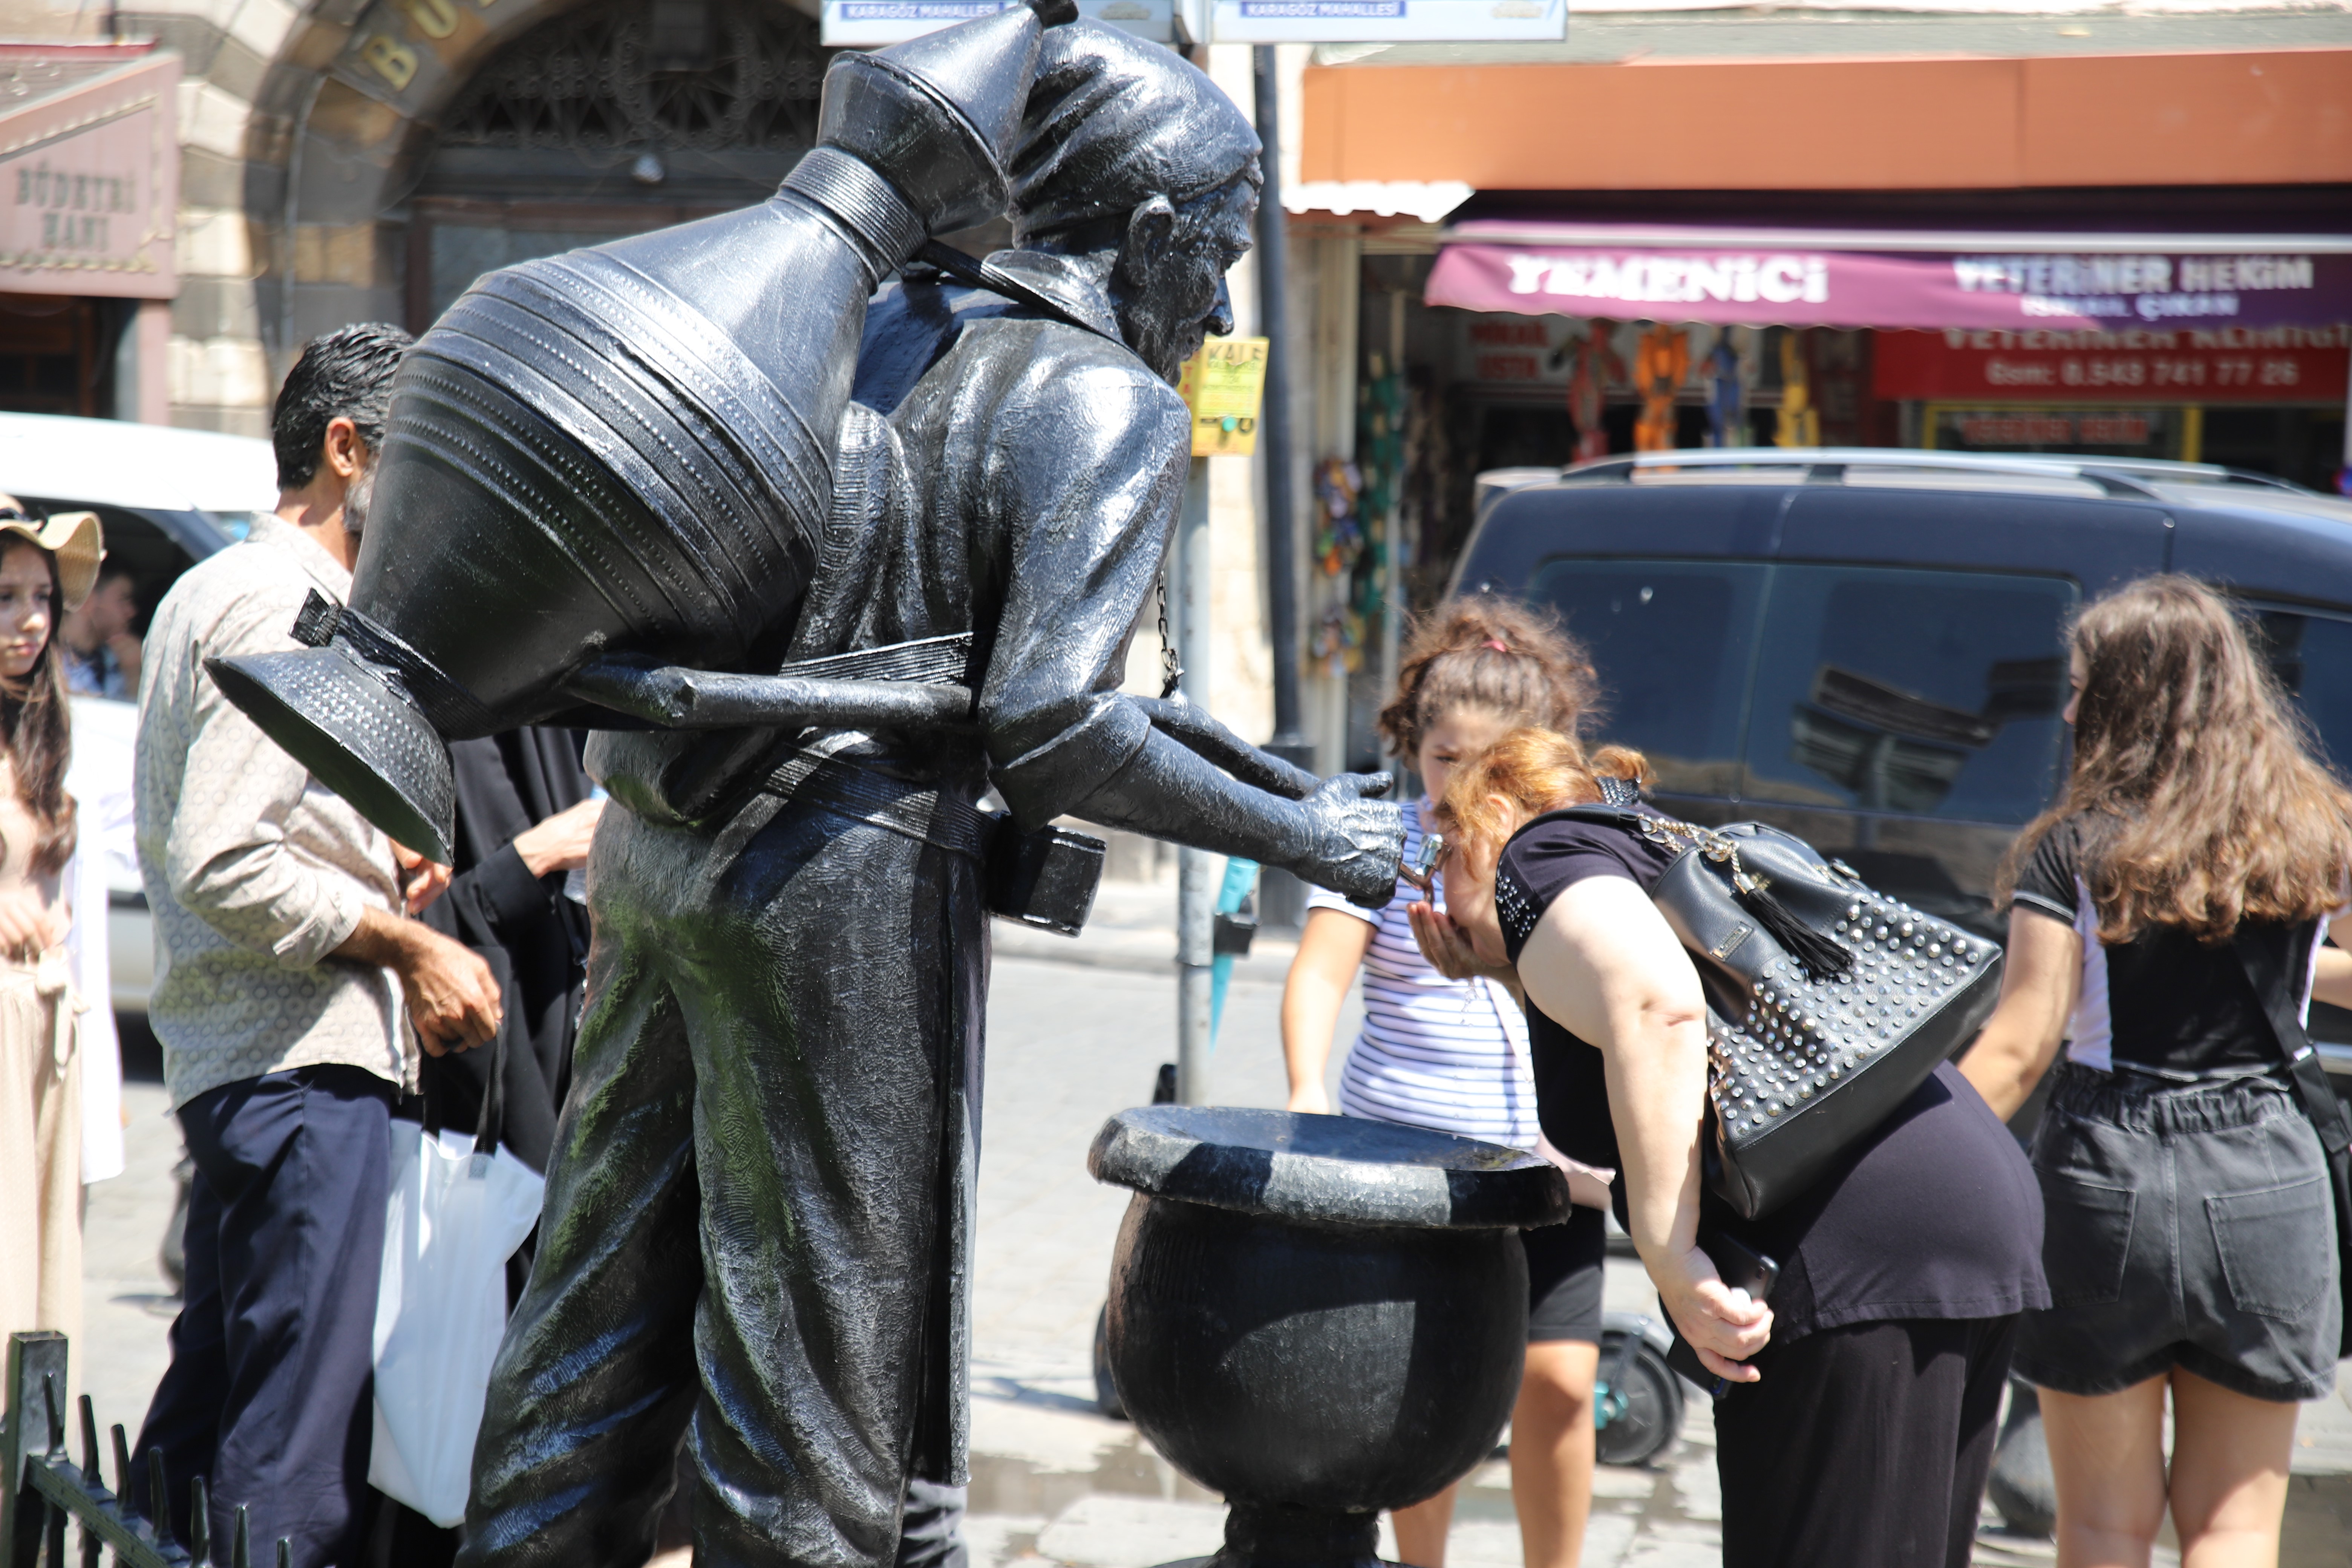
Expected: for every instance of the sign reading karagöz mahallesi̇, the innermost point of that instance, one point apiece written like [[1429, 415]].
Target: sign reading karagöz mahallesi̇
[[1223, 385], [862, 24], [1388, 21]]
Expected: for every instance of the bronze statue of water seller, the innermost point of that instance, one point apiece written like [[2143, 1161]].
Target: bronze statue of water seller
[[642, 477]]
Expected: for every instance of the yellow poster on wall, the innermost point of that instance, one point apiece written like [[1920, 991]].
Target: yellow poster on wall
[[1223, 385]]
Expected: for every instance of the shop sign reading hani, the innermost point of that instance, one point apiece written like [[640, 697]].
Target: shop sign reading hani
[[89, 184], [1843, 288]]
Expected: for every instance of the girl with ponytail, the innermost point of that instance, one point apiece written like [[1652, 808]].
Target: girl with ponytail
[[1451, 1053]]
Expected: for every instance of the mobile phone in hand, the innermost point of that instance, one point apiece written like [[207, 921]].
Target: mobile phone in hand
[[1742, 1267]]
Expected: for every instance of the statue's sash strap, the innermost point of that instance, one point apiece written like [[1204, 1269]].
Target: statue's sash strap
[[869, 796]]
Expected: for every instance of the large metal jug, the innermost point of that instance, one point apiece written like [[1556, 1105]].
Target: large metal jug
[[626, 449]]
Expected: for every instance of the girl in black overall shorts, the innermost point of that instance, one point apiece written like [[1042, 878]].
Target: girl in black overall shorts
[[2191, 1238]]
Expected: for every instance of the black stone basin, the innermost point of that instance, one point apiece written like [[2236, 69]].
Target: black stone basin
[[1319, 1316]]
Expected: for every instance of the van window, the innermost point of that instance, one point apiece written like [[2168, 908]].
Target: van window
[[1934, 693], [1672, 641], [2312, 656]]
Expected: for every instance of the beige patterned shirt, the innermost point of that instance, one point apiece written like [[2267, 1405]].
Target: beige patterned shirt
[[255, 872]]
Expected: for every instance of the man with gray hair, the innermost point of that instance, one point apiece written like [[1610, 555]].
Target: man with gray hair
[[285, 965], [759, 1210]]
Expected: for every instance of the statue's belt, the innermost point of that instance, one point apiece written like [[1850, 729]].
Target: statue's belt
[[870, 796], [1043, 878]]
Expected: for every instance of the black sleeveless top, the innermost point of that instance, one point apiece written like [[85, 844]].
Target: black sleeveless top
[[1937, 1214]]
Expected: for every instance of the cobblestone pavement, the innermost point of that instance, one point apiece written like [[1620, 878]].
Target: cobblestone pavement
[[1077, 1030]]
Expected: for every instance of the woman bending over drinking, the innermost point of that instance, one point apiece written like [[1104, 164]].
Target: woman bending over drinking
[[1857, 1426]]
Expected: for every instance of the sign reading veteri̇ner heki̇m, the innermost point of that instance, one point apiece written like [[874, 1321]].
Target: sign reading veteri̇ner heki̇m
[[1878, 289]]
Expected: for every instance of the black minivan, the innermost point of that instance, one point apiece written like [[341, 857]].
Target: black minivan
[[1864, 646]]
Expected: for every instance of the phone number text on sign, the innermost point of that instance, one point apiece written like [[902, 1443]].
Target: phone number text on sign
[[2182, 370], [2157, 373]]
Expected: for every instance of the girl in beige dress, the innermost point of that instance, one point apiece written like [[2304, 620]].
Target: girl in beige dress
[[46, 568]]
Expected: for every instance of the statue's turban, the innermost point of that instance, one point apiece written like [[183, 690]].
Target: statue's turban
[[1112, 121]]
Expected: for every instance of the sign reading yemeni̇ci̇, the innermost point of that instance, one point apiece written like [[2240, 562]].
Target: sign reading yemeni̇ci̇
[[1797, 288], [1222, 385]]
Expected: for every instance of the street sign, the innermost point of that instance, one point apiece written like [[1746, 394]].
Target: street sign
[[863, 24], [1388, 21], [1223, 385]]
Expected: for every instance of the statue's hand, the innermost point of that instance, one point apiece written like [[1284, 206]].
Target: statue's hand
[[1353, 843]]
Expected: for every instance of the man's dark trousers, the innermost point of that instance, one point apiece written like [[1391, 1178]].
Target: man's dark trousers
[[271, 1391]]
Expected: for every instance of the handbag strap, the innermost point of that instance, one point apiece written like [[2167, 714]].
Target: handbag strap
[[490, 1127], [2265, 966]]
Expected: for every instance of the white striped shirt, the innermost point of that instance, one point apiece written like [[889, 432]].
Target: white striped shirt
[[1449, 1055]]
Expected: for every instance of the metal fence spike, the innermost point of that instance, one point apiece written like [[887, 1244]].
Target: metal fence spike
[[159, 1501], [122, 1471], [200, 1524], [90, 1474], [240, 1550], [285, 1552], [56, 1402]]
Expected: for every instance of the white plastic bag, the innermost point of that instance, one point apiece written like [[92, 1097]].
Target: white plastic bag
[[454, 1218]]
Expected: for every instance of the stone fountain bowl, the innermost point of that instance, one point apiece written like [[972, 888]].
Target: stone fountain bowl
[[1317, 1316]]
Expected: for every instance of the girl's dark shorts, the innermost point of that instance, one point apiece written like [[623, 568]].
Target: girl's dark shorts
[[1564, 1278], [2189, 1225]]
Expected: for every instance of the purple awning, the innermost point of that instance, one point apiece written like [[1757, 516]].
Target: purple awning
[[1892, 279]]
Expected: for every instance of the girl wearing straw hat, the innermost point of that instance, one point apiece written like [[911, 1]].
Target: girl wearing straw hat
[[47, 567]]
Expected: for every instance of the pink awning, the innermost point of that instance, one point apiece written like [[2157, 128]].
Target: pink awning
[[1865, 278]]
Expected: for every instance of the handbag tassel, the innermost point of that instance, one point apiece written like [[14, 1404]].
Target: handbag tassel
[[1824, 957]]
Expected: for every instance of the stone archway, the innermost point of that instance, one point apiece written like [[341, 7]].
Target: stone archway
[[614, 119], [361, 108]]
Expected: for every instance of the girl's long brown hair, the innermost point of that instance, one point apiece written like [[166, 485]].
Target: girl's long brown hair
[[2205, 803], [35, 724], [1491, 653], [1527, 773]]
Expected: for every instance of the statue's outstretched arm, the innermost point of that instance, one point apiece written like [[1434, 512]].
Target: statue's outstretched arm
[[1335, 838], [1089, 469]]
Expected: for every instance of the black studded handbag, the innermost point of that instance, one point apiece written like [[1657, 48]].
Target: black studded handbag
[[1828, 1001]]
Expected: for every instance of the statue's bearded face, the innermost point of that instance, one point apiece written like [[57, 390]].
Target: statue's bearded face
[[1171, 275]]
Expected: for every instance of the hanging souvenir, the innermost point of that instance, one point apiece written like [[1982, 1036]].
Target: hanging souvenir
[[1726, 394], [1661, 365], [1596, 368], [1800, 423]]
